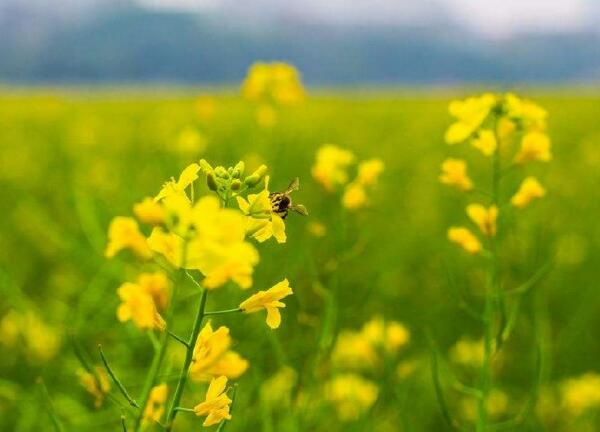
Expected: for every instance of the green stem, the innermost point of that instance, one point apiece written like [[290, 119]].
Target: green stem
[[190, 410], [177, 338], [162, 350], [116, 380], [222, 312], [172, 413], [490, 301]]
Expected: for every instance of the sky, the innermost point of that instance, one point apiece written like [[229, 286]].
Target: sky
[[491, 18]]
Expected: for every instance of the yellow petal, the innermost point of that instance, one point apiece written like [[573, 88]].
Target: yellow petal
[[273, 317]]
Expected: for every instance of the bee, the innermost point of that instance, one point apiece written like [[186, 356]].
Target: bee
[[281, 202]]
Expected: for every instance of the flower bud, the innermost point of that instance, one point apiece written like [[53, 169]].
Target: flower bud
[[252, 180], [211, 182], [236, 185], [261, 171], [221, 172], [238, 170], [205, 166]]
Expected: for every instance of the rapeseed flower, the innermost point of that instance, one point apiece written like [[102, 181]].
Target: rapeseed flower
[[27, 331], [454, 173], [465, 239], [173, 187], [270, 300], [484, 218], [355, 196], [157, 285], [216, 404], [330, 168], [467, 352], [263, 223], [369, 171], [149, 212], [581, 393], [212, 356], [534, 146], [470, 115], [124, 233], [97, 385], [351, 395], [155, 407], [529, 114], [485, 142], [391, 335], [138, 306], [353, 350], [529, 190], [276, 82]]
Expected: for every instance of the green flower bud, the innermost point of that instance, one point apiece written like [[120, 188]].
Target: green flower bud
[[236, 185], [211, 182], [252, 180], [221, 172], [261, 171], [205, 166], [238, 170]]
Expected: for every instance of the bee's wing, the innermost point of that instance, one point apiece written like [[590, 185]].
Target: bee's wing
[[294, 185], [300, 209]]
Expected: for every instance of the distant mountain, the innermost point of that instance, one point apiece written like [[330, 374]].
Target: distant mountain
[[128, 43]]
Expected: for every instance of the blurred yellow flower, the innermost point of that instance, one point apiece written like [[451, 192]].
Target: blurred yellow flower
[[191, 141], [529, 190], [485, 142], [277, 82], [353, 350], [97, 385], [212, 356], [354, 196], [351, 395], [331, 165], [266, 116], [369, 171], [205, 107], [534, 146], [172, 187], [216, 403], [149, 212], [496, 405], [484, 218], [157, 285], [581, 393], [527, 112], [138, 306], [390, 335], [269, 300], [155, 406], [316, 229], [263, 223], [27, 331], [124, 233], [465, 239], [467, 352], [454, 173], [470, 114]]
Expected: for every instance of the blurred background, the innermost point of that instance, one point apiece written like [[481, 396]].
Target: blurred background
[[332, 42]]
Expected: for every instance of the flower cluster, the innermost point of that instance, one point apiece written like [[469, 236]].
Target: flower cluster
[[366, 351], [26, 331], [491, 123], [270, 85], [198, 235], [331, 171]]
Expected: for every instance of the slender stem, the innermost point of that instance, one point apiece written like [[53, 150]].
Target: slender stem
[[120, 385], [177, 338], [490, 300], [172, 413], [123, 424], [184, 409], [162, 350], [222, 312]]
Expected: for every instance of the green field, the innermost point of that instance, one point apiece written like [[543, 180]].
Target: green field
[[71, 161]]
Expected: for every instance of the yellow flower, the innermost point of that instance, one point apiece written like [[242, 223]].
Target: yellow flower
[[352, 395], [98, 388], [217, 247], [269, 300], [216, 404], [485, 142], [191, 141], [484, 218], [331, 165], [529, 190], [316, 229], [137, 305], [353, 350], [205, 107], [263, 223], [397, 336], [155, 406], [467, 352], [172, 187], [454, 173], [354, 196], [529, 113], [534, 146], [278, 82], [470, 114], [123, 233], [212, 356], [464, 238], [149, 212], [581, 393], [496, 405], [389, 335], [157, 285], [39, 341], [369, 171]]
